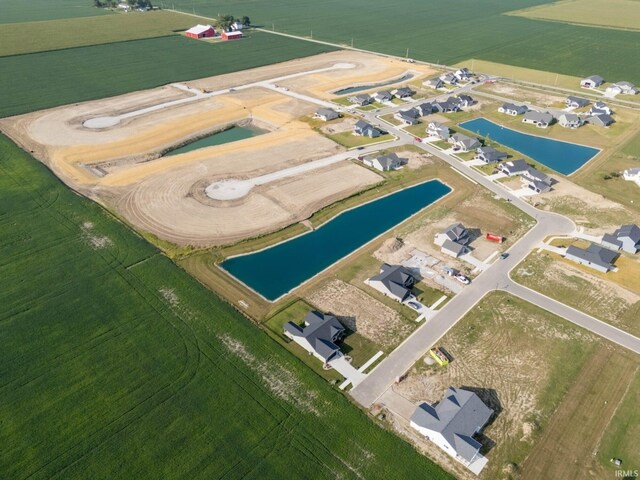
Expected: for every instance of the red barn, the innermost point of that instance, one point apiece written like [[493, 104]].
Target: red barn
[[200, 31], [231, 35]]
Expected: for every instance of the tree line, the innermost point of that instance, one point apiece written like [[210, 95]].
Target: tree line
[[114, 3], [224, 22]]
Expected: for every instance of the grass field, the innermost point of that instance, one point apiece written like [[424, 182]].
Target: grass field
[[87, 73], [115, 363], [488, 33], [14, 11], [21, 38], [600, 13]]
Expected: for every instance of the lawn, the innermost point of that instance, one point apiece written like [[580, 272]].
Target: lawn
[[350, 140], [116, 364], [21, 38], [541, 45], [87, 73], [14, 11]]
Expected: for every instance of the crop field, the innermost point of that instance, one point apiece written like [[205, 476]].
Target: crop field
[[86, 73], [21, 38], [14, 11], [116, 363], [601, 13], [486, 33]]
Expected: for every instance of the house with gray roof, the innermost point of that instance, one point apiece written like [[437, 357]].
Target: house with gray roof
[[576, 102], [434, 83], [626, 88], [539, 119], [447, 106], [424, 109], [384, 163], [326, 114], [454, 240], [599, 108], [464, 143], [437, 129], [513, 109], [449, 79], [452, 423], [383, 96], [406, 118], [404, 92], [464, 100], [361, 99], [628, 237], [463, 74], [602, 120], [594, 256], [535, 180], [592, 82], [363, 129], [514, 167], [395, 281], [318, 336], [569, 120], [453, 249], [489, 155]]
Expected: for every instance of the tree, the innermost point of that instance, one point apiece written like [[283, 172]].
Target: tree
[[98, 4], [246, 21], [224, 22]]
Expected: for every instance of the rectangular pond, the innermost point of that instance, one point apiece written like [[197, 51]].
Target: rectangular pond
[[563, 157], [233, 134], [277, 270], [360, 88]]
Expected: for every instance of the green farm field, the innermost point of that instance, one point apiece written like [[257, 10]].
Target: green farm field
[[117, 364], [21, 38], [15, 11], [87, 73], [483, 31]]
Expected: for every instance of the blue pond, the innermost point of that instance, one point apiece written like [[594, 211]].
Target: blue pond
[[563, 157], [349, 90], [277, 270]]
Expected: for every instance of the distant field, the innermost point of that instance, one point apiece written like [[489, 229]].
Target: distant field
[[116, 364], [19, 38], [448, 32], [13, 11], [60, 77], [601, 13]]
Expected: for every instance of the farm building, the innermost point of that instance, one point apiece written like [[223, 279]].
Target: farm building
[[592, 82], [539, 119], [384, 163], [237, 26], [512, 109], [318, 336], [593, 256], [452, 423], [394, 281], [200, 31], [326, 114], [632, 175], [569, 120], [231, 35]]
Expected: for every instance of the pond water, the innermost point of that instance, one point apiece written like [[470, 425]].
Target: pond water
[[277, 270], [563, 157], [360, 88], [226, 136]]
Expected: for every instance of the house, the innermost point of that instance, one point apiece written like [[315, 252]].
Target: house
[[514, 167], [602, 120], [454, 233], [231, 35], [383, 96], [629, 238], [535, 180], [318, 336], [404, 92], [632, 175], [576, 102], [489, 155], [613, 90], [200, 31], [405, 118], [363, 129], [448, 106], [384, 163], [464, 143], [453, 249], [326, 114], [362, 99], [394, 281], [124, 6], [465, 101], [424, 109], [463, 74], [626, 88], [599, 108], [569, 120], [453, 422], [592, 82], [539, 119], [437, 129], [237, 26], [434, 83], [593, 256], [512, 109], [449, 79], [412, 112], [611, 242]]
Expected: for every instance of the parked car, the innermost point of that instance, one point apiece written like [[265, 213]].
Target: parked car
[[462, 279], [414, 305], [504, 255]]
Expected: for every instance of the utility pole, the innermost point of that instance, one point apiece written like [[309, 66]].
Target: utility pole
[[407, 53], [311, 34], [352, 42], [273, 27]]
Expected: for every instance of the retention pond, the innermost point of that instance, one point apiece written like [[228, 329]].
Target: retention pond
[[360, 88], [275, 271], [218, 138]]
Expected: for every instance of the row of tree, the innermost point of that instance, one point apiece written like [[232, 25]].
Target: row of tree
[[224, 22], [114, 3]]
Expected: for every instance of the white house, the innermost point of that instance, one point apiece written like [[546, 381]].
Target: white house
[[632, 175], [464, 143], [438, 130], [512, 109], [384, 163], [592, 82], [569, 120], [318, 336], [326, 114], [626, 88], [539, 119], [434, 83]]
